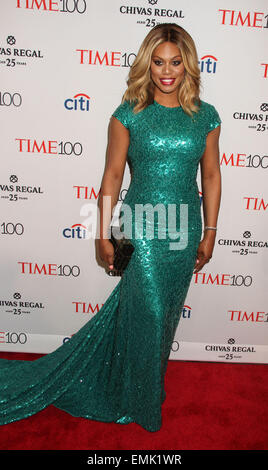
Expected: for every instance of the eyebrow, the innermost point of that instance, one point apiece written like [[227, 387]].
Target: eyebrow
[[171, 57]]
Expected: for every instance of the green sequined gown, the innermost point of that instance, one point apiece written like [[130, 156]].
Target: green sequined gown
[[113, 368]]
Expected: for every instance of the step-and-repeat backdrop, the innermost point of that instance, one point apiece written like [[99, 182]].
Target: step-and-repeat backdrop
[[64, 66]]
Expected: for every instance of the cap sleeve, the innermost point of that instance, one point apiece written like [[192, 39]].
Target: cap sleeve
[[122, 113], [214, 119]]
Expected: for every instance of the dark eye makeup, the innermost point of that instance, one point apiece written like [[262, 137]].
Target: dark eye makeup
[[175, 62]]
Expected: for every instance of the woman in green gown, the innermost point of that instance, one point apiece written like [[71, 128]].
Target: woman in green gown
[[113, 368]]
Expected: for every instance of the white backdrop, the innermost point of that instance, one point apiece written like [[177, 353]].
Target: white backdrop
[[64, 65]]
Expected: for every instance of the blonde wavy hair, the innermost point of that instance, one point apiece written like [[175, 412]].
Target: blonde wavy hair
[[140, 85]]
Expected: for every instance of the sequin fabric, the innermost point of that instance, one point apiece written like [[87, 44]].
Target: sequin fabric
[[113, 368]]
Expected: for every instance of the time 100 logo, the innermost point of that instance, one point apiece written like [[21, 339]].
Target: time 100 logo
[[13, 337]]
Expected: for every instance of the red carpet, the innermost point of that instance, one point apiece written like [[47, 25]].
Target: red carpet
[[209, 406]]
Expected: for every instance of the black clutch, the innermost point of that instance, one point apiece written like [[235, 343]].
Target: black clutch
[[123, 250]]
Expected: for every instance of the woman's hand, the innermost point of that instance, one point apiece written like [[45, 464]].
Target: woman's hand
[[205, 250], [106, 251]]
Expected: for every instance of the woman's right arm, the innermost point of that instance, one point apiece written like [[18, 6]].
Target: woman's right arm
[[117, 148]]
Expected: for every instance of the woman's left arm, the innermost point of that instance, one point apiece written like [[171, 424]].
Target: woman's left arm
[[211, 191]]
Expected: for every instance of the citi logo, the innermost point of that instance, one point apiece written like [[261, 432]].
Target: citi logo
[[78, 231], [208, 64], [186, 311], [79, 102]]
